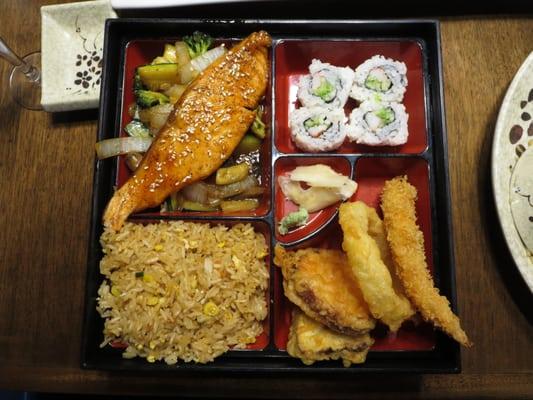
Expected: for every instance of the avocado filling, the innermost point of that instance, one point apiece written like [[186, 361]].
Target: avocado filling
[[323, 88], [317, 125], [378, 80], [378, 119]]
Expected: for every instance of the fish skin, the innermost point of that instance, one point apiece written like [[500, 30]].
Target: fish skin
[[204, 128]]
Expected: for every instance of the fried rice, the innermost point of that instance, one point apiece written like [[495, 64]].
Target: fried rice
[[182, 290]]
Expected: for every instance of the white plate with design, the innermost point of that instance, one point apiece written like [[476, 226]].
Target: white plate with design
[[512, 169], [71, 54]]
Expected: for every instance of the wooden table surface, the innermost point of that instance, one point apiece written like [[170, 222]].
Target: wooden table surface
[[46, 170]]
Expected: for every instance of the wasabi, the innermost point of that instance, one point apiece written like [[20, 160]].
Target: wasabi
[[292, 220]]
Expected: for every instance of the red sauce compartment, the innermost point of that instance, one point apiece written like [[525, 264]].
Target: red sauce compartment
[[141, 52], [283, 206], [370, 174], [293, 58]]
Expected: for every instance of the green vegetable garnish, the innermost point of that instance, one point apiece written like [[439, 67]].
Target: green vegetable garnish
[[198, 43], [147, 98], [324, 90], [386, 115], [292, 220], [139, 274]]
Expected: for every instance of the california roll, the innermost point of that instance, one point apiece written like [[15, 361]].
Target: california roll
[[325, 86], [378, 124], [381, 79], [318, 129]]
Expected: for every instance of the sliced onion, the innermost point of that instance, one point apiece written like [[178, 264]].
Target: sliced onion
[[156, 116], [233, 189], [205, 193], [125, 145], [197, 192], [202, 62]]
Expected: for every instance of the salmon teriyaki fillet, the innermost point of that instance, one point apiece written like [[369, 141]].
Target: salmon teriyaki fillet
[[203, 130]]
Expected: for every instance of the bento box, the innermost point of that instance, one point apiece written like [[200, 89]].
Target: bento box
[[416, 348]]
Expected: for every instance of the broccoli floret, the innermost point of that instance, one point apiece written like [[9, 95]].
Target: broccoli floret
[[198, 43], [147, 98], [292, 220]]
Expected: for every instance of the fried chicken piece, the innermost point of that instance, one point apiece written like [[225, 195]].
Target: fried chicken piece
[[320, 283], [206, 125], [367, 261], [407, 246], [311, 341]]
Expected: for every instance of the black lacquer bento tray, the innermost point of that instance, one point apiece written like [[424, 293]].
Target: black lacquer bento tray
[[423, 159]]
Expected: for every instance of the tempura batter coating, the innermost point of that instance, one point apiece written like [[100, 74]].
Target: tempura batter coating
[[407, 246], [386, 302], [319, 281], [311, 341]]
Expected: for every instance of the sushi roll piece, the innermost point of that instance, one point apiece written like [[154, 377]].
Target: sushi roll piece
[[378, 124], [325, 86], [318, 129], [380, 78]]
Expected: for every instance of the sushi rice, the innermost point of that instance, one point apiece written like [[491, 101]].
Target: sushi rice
[[378, 124], [326, 85], [381, 79], [318, 129]]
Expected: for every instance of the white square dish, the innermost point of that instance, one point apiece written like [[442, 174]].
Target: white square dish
[[71, 54]]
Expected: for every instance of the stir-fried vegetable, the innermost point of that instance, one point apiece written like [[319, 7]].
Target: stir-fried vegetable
[[137, 82], [133, 160], [117, 146], [182, 53], [202, 62], [232, 174], [195, 206], [174, 92], [248, 144], [170, 53], [155, 117], [137, 129], [198, 43], [258, 126], [155, 75], [205, 193], [147, 98], [254, 191], [160, 60], [239, 205]]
